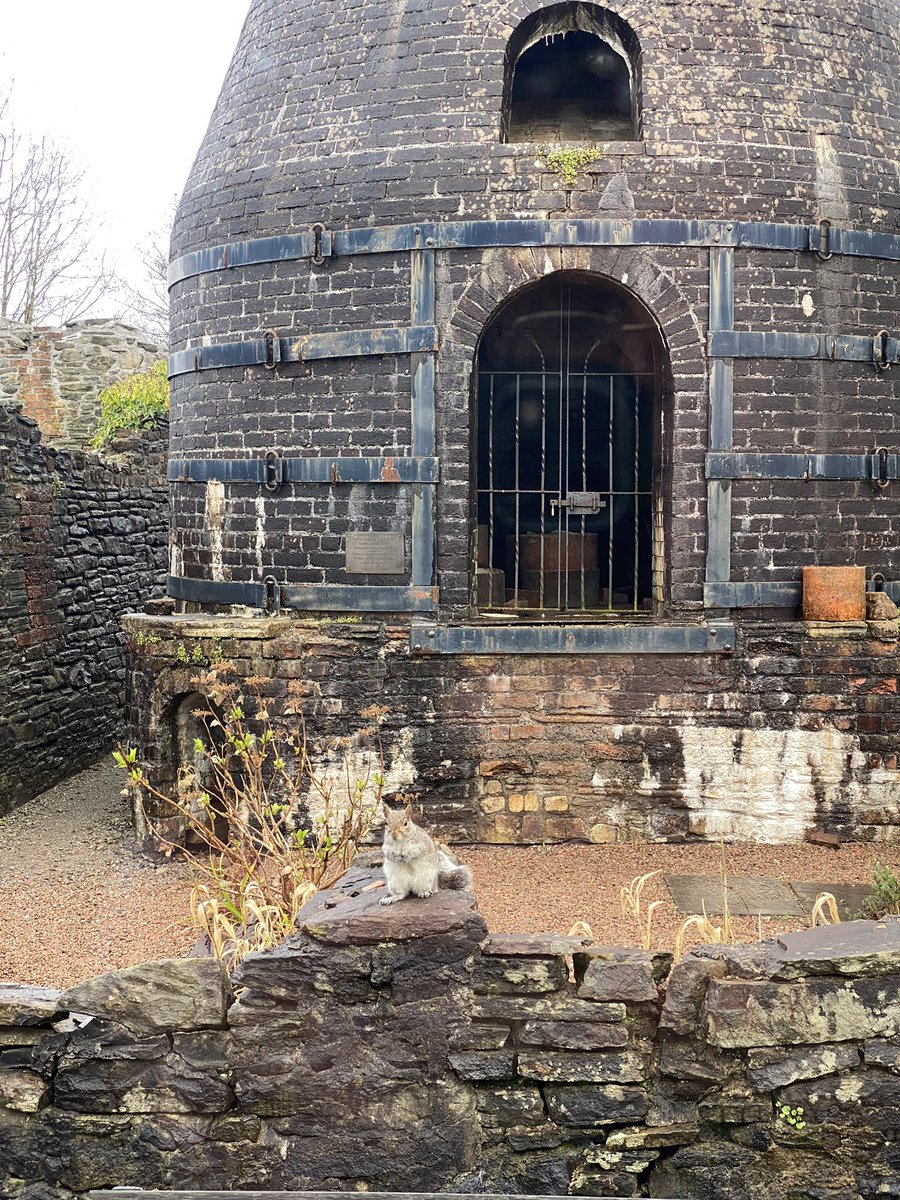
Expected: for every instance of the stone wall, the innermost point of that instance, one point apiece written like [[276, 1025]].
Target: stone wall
[[402, 1049], [81, 538], [796, 730], [57, 375]]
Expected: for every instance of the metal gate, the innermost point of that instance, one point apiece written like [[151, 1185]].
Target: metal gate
[[565, 468]]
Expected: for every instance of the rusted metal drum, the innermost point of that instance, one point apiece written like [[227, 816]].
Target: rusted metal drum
[[834, 593]]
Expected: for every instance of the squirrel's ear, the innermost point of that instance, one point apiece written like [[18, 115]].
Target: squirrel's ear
[[407, 812]]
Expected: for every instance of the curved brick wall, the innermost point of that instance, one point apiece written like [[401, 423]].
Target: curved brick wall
[[381, 113]]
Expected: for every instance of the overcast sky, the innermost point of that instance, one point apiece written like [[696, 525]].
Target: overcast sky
[[127, 87]]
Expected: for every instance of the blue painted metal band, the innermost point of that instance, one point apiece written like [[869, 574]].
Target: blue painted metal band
[[351, 343], [601, 638], [308, 597], [841, 347], [872, 467], [752, 595], [213, 591], [453, 235], [341, 598], [305, 470], [891, 589]]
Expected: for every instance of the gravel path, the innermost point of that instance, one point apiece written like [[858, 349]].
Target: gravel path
[[76, 896], [78, 899]]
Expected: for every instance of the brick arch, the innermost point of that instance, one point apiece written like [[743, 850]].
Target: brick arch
[[469, 297]]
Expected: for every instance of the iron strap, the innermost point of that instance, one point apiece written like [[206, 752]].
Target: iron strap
[[839, 347], [459, 235], [309, 597], [769, 594], [269, 352], [875, 468], [601, 638], [304, 470]]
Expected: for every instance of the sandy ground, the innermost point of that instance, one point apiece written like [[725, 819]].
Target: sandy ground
[[78, 899]]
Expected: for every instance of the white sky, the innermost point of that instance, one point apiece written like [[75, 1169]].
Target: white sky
[[128, 88]]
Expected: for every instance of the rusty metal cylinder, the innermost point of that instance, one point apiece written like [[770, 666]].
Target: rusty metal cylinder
[[834, 593]]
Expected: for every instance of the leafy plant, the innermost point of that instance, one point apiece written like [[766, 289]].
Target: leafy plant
[[792, 1116], [568, 162], [246, 804], [885, 898], [135, 402]]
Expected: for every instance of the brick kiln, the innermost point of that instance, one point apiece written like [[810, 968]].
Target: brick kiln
[[524, 355]]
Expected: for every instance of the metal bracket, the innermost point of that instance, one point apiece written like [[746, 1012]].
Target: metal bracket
[[882, 349], [272, 471], [879, 468]]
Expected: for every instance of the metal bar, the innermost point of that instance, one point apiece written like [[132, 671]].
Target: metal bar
[[359, 343], [306, 470], [542, 581], [871, 467], [891, 589], [603, 638], [636, 480], [609, 596], [721, 415], [722, 594], [491, 481], [214, 591], [474, 234], [584, 487], [351, 343], [350, 598], [518, 494], [135, 1193], [423, 536], [832, 347]]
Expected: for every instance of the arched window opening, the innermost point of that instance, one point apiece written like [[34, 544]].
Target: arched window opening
[[569, 383], [572, 75]]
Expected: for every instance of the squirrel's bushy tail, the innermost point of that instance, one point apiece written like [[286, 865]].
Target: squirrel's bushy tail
[[455, 879]]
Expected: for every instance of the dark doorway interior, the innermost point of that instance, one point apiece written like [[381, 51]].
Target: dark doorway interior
[[568, 384], [571, 87]]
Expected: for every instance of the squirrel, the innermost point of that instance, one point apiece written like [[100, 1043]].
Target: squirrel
[[414, 863]]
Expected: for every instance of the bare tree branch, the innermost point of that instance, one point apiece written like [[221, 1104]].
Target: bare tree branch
[[147, 306], [48, 270]]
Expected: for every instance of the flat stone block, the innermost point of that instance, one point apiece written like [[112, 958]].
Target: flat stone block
[[746, 896], [573, 1035], [603, 976], [23, 1005], [588, 1105], [572, 1067], [530, 945], [501, 976], [649, 1138], [852, 948], [476, 1065], [769, 1069], [511, 1106], [162, 996], [562, 1007], [741, 1014], [23, 1091], [883, 1054]]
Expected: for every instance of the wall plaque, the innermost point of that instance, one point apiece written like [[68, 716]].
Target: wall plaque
[[375, 554]]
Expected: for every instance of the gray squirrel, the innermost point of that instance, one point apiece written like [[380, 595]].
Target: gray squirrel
[[414, 863]]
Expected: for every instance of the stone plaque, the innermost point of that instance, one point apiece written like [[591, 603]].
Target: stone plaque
[[375, 554]]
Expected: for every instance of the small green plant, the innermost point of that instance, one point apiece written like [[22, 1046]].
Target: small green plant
[[885, 898], [792, 1116], [195, 655], [270, 830], [145, 639], [134, 402], [568, 162]]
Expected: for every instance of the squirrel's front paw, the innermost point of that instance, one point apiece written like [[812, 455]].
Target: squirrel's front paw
[[389, 900]]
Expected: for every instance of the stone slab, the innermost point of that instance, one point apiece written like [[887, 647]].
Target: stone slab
[[851, 897], [851, 948], [747, 896]]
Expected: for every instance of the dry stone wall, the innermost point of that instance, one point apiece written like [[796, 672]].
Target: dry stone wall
[[57, 375], [81, 538], [403, 1049]]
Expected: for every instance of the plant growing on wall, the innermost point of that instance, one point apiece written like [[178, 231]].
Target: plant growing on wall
[[135, 402], [271, 831], [566, 163]]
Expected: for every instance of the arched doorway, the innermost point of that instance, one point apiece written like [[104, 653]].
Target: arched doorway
[[570, 373]]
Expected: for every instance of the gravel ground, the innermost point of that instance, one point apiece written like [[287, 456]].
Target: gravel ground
[[78, 899]]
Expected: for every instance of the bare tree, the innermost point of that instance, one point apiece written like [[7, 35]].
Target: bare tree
[[147, 305], [48, 271]]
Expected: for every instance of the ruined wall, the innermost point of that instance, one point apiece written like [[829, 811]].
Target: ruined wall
[[794, 731], [81, 538], [401, 1049], [57, 375]]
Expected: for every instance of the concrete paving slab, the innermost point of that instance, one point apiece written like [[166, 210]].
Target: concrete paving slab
[[851, 897]]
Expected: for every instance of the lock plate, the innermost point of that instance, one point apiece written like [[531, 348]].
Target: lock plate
[[584, 504]]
